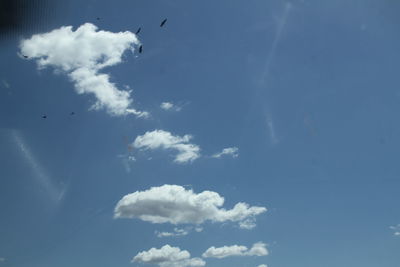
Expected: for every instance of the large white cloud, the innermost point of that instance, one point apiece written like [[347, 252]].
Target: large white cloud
[[229, 151], [81, 54], [159, 139], [176, 205], [168, 256], [258, 249]]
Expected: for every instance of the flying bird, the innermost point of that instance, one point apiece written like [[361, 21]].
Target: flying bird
[[138, 30], [140, 49], [25, 56], [98, 18], [163, 22], [72, 113], [44, 117]]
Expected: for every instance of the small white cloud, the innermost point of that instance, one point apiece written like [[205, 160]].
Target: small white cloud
[[230, 151], [258, 249], [396, 229], [168, 256], [198, 229], [81, 54], [159, 139], [176, 232], [170, 106], [247, 224], [262, 265], [176, 205]]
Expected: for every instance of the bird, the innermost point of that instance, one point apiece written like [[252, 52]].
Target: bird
[[138, 30], [140, 49], [98, 18], [25, 56], [163, 22], [72, 113], [44, 117]]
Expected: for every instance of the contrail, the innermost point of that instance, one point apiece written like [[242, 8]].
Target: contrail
[[264, 75], [40, 175], [270, 125], [275, 42]]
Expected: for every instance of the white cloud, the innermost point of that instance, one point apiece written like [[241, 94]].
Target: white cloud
[[396, 229], [159, 139], [81, 54], [170, 106], [168, 256], [176, 205], [258, 249], [229, 151], [176, 232], [247, 224], [262, 265]]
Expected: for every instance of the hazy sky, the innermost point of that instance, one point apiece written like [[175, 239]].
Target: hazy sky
[[247, 133]]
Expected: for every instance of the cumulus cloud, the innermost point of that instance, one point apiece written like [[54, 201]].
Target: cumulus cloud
[[258, 249], [229, 151], [81, 54], [168, 256], [159, 139], [176, 205], [170, 106], [396, 229]]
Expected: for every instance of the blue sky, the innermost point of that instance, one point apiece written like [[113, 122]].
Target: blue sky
[[304, 93]]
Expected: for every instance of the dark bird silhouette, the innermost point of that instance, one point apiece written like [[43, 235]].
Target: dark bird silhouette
[[44, 117], [25, 56], [72, 113], [163, 22], [138, 30], [140, 49], [98, 18]]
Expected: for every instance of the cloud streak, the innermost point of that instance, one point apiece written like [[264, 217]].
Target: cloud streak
[[39, 174], [229, 151], [81, 54], [396, 230]]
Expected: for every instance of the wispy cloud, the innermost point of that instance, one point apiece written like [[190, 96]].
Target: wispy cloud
[[159, 139], [39, 174], [5, 84], [229, 151], [176, 232], [271, 129], [281, 25], [179, 231], [81, 54], [176, 205], [396, 230]]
